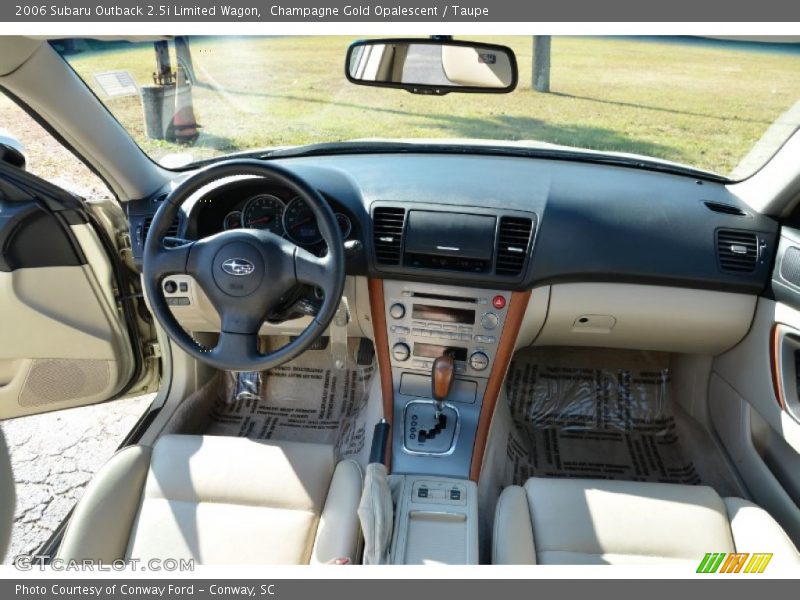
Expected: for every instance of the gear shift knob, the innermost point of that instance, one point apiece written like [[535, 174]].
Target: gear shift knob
[[442, 376]]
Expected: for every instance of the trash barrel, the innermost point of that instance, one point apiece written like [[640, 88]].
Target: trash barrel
[[158, 106]]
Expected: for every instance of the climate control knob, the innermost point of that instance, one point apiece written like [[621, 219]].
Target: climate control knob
[[479, 361], [397, 311], [489, 320], [401, 352]]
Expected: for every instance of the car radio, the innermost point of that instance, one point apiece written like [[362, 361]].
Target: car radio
[[425, 323]]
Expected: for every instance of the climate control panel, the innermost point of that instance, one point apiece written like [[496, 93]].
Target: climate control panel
[[427, 321]]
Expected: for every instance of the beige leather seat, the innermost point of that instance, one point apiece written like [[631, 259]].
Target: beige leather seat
[[219, 500], [581, 521]]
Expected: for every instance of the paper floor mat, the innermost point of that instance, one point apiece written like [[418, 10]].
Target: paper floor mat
[[576, 417], [305, 400]]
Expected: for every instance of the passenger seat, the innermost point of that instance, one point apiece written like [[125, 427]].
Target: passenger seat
[[586, 522]]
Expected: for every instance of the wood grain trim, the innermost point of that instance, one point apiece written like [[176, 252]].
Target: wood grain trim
[[505, 350], [377, 308], [774, 359]]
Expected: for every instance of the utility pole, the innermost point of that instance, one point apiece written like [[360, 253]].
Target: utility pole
[[541, 63], [163, 74]]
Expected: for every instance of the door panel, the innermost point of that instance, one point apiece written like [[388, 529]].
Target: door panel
[[63, 338], [754, 395], [749, 367], [741, 431]]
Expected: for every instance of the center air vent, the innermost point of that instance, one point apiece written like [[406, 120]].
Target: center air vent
[[388, 223], [726, 209], [737, 251], [171, 232], [514, 234]]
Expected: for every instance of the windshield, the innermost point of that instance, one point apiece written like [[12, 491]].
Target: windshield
[[716, 105]]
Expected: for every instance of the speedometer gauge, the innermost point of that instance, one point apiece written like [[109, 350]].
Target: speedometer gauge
[[300, 223], [264, 211]]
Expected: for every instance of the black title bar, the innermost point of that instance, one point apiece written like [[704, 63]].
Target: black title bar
[[459, 11]]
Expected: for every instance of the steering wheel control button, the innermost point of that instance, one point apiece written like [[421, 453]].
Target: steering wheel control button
[[397, 311], [170, 286], [499, 302], [479, 361], [401, 352], [238, 269], [489, 320]]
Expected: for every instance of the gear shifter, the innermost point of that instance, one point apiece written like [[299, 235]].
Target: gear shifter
[[441, 384], [442, 376]]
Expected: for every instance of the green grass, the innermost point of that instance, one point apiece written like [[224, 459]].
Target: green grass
[[701, 104]]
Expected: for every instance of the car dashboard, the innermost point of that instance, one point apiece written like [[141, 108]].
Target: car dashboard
[[529, 222]]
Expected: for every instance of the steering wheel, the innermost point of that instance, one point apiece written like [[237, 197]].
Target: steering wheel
[[244, 272]]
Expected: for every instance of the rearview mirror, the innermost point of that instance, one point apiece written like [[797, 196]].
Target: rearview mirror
[[431, 66]]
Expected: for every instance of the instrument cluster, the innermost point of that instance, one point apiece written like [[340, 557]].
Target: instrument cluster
[[293, 219]]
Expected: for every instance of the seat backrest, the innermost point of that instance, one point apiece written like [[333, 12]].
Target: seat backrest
[[219, 500]]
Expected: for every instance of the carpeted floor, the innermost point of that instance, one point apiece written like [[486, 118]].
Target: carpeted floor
[[604, 415], [307, 399]]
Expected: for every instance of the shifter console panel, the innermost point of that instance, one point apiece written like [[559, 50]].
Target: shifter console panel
[[427, 433]]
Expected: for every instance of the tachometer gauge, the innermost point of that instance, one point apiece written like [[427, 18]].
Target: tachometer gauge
[[301, 223], [233, 220], [264, 212], [345, 226]]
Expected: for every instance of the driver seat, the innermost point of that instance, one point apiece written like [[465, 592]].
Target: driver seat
[[219, 500]]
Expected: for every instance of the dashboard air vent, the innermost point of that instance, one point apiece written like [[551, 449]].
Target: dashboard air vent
[[726, 209], [388, 223], [513, 236], [171, 232], [737, 250]]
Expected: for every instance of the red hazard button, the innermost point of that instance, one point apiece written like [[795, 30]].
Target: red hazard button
[[499, 302]]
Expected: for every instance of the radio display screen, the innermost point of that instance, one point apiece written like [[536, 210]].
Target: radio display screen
[[435, 351], [443, 314]]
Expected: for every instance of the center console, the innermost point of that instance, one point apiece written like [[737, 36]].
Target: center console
[[443, 344], [436, 523], [426, 321]]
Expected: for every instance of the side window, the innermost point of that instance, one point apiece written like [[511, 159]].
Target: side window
[[45, 155]]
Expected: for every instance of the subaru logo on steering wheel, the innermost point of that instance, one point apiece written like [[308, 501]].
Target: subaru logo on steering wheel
[[238, 266]]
